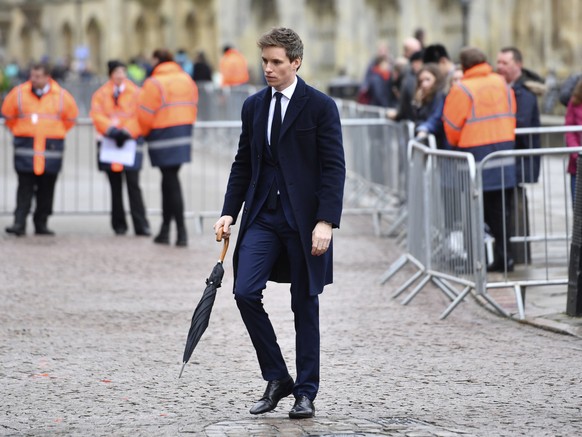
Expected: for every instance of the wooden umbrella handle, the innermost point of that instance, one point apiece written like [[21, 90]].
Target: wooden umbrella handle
[[225, 246]]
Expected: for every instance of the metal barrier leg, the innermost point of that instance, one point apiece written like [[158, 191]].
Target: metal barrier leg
[[445, 287], [407, 284], [400, 220], [519, 300], [455, 302], [198, 223], [376, 220], [394, 267], [495, 305], [417, 290]]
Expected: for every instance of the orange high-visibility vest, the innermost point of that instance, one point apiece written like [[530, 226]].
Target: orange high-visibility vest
[[39, 126], [233, 68], [107, 113], [480, 110], [168, 98]]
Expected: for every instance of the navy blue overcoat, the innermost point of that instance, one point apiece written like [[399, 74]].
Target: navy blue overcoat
[[311, 158]]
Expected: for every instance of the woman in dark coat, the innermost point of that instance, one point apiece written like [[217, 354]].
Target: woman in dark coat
[[428, 104]]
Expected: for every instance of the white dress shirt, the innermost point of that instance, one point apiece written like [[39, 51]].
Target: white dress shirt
[[287, 94]]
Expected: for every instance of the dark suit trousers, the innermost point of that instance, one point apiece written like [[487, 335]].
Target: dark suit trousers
[[136, 205], [42, 187], [497, 213], [266, 237], [172, 200]]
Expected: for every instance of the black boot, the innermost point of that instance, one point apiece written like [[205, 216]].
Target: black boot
[[182, 240], [164, 236], [18, 229]]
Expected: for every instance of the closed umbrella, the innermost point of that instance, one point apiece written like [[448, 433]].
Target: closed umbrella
[[202, 312]]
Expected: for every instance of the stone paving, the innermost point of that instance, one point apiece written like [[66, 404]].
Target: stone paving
[[92, 330]]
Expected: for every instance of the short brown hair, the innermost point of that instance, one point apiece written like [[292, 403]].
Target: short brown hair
[[284, 38], [163, 55], [515, 52], [46, 68], [471, 56]]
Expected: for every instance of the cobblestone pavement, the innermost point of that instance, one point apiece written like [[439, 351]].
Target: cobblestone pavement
[[92, 330]]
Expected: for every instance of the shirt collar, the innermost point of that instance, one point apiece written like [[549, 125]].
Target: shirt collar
[[287, 92]]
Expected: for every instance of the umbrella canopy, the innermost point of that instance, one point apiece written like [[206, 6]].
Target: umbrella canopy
[[202, 312]]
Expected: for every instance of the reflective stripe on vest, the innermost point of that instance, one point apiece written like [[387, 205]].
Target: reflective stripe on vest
[[171, 142], [165, 103]]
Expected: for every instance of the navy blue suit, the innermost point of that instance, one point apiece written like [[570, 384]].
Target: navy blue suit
[[276, 244]]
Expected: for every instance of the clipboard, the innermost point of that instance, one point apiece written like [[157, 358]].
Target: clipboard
[[110, 153]]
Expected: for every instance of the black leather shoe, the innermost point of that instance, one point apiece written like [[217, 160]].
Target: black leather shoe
[[164, 236], [120, 231], [43, 230], [182, 240], [303, 408], [145, 232], [16, 229], [276, 390]]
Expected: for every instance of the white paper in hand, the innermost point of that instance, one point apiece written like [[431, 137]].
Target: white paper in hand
[[109, 152]]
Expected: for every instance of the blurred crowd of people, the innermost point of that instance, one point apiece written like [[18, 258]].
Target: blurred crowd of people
[[475, 106]]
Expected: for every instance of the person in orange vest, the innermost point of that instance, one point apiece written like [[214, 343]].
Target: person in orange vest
[[114, 115], [479, 118], [233, 67], [167, 108], [39, 113]]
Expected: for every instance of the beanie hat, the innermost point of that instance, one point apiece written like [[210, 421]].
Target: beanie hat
[[113, 64]]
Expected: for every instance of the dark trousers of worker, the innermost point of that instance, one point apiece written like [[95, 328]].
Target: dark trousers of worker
[[42, 188], [267, 237], [497, 214], [172, 201], [136, 205]]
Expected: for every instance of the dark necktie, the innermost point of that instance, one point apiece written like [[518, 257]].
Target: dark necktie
[[274, 142], [116, 93], [276, 127]]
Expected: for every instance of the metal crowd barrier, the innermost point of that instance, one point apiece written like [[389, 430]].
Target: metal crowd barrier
[[372, 148], [446, 229]]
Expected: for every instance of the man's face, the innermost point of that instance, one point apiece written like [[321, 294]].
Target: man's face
[[118, 75], [279, 71], [507, 67], [38, 78]]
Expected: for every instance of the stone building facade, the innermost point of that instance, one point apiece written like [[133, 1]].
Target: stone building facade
[[338, 34]]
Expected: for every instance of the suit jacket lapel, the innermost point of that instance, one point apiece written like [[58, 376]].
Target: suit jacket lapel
[[296, 104], [261, 118]]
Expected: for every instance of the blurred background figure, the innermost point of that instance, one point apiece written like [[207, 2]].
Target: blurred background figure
[[202, 71], [407, 89], [410, 47], [114, 115], [136, 72], [456, 76], [183, 60], [39, 113], [574, 118], [167, 109], [428, 103], [233, 67], [438, 54], [380, 85]]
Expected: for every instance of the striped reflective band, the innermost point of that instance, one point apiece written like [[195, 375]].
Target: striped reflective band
[[507, 161], [172, 142], [146, 109], [46, 153]]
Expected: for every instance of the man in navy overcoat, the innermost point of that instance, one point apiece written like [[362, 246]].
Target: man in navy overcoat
[[289, 172]]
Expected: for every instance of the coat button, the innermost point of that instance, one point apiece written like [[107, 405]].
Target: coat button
[[245, 210]]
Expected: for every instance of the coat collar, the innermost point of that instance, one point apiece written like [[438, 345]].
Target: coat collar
[[296, 104]]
